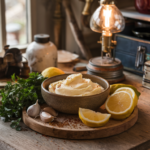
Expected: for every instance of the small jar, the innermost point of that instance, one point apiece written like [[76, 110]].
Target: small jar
[[25, 70], [41, 53], [146, 76]]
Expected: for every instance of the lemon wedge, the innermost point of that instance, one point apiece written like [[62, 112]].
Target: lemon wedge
[[51, 72], [120, 105], [131, 92], [92, 118]]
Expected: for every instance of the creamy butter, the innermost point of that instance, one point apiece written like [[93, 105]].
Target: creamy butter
[[75, 85]]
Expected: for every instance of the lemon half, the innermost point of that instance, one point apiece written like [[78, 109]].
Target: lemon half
[[131, 92], [92, 118], [120, 105]]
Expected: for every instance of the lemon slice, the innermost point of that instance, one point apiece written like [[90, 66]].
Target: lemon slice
[[114, 87], [120, 105], [92, 118], [131, 92]]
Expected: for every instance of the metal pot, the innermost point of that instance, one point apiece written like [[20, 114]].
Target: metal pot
[[143, 33], [10, 63]]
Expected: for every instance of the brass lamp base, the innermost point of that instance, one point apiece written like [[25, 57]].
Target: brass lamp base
[[112, 72]]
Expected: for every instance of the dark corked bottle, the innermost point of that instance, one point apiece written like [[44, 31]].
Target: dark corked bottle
[[143, 6]]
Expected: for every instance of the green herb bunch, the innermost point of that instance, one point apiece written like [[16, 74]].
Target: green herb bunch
[[19, 95]]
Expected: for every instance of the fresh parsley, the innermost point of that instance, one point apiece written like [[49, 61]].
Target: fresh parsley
[[17, 96]]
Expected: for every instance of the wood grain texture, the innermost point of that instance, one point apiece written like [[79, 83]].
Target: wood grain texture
[[70, 127], [5, 146]]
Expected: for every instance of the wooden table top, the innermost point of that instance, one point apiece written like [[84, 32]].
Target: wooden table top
[[11, 139]]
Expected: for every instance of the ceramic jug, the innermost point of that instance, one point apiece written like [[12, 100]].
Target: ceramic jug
[[41, 53]]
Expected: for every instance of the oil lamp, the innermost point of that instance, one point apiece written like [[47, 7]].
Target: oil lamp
[[107, 19]]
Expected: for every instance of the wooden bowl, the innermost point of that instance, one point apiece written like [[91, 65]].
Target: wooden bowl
[[71, 104]]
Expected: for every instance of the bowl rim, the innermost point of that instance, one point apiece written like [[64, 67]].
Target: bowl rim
[[75, 96]]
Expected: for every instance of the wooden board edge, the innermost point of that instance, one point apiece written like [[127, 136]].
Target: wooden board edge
[[94, 133]]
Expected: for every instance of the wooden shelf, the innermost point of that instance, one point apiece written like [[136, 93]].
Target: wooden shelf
[[130, 12]]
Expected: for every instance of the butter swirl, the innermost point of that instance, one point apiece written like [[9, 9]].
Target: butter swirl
[[75, 85]]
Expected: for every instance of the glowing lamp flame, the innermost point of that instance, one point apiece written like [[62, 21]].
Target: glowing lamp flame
[[107, 14]]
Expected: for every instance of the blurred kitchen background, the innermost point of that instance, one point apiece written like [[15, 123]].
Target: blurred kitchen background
[[43, 10], [16, 22]]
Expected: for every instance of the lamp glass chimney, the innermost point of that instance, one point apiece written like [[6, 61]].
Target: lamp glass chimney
[[107, 19]]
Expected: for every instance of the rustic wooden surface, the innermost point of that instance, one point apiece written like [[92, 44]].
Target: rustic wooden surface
[[139, 133], [70, 126]]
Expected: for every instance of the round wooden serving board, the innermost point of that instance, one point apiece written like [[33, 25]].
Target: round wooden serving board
[[70, 127]]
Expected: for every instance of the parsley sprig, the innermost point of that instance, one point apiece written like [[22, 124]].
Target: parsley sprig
[[16, 96]]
